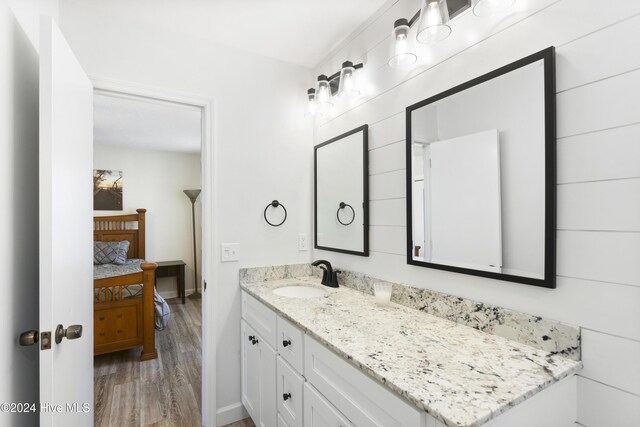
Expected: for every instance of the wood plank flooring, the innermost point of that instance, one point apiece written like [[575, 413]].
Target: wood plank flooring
[[161, 392]]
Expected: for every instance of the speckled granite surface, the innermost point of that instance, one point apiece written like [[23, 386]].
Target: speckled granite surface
[[461, 376], [544, 334]]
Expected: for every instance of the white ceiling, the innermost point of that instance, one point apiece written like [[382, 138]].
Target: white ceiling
[[145, 124], [301, 32]]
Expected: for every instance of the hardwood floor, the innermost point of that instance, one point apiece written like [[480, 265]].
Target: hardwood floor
[[161, 392]]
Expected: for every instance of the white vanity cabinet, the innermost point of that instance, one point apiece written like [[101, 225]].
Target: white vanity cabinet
[[289, 379]]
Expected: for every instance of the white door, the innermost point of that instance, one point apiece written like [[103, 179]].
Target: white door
[[66, 266], [464, 219]]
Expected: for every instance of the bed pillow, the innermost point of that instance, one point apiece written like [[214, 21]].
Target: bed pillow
[[110, 252]]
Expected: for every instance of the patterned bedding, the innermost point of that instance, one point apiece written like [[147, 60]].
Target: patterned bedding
[[162, 311]]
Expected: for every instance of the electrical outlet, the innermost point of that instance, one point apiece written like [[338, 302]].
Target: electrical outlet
[[303, 242], [229, 252]]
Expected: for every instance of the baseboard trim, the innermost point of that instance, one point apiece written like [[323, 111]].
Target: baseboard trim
[[231, 414]]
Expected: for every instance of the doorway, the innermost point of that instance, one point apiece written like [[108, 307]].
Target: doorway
[[154, 147]]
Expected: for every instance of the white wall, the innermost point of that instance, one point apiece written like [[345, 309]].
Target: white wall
[[19, 201], [598, 85], [263, 144], [154, 180]]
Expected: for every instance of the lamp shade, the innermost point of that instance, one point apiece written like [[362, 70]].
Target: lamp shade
[[312, 107], [434, 21], [402, 54], [323, 94], [192, 194], [347, 87]]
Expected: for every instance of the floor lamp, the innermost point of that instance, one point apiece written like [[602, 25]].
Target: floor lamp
[[193, 196]]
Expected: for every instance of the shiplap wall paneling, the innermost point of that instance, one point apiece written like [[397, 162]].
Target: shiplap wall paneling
[[602, 406], [600, 205], [622, 369], [598, 100], [598, 156]]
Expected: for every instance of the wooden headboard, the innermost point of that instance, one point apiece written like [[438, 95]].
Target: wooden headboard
[[116, 228]]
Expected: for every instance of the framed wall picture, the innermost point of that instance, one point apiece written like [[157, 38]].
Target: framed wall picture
[[107, 190]]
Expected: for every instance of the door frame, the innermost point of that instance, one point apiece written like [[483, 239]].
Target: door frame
[[209, 182]]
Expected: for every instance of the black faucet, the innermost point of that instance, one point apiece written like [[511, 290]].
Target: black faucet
[[329, 275]]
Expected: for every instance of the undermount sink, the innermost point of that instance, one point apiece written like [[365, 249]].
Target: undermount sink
[[299, 291]]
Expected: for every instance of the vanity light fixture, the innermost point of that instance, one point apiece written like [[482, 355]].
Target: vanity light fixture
[[342, 83], [433, 20], [402, 51]]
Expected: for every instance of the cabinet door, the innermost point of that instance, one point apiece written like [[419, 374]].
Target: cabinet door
[[290, 394], [318, 412], [250, 372], [268, 409]]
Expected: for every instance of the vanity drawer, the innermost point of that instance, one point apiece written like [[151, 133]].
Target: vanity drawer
[[320, 413], [289, 394], [260, 317], [361, 399], [290, 343]]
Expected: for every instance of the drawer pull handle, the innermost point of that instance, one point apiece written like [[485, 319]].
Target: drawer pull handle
[[251, 338], [286, 396], [286, 343], [254, 342]]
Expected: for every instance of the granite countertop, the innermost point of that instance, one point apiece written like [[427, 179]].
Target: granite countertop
[[459, 375]]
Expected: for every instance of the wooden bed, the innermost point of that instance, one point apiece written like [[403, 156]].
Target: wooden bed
[[122, 323]]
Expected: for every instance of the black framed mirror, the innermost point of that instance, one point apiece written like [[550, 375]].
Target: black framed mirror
[[341, 193], [481, 175]]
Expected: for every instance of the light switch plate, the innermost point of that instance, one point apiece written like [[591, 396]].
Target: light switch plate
[[229, 252], [303, 242]]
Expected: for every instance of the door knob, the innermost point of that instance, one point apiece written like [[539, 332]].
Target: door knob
[[29, 338], [71, 333]]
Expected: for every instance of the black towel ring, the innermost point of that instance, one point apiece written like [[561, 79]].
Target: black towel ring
[[275, 204], [342, 206]]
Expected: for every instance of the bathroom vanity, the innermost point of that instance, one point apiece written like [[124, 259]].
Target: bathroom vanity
[[335, 358]]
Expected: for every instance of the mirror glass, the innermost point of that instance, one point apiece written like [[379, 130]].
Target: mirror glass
[[341, 193], [481, 171]]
